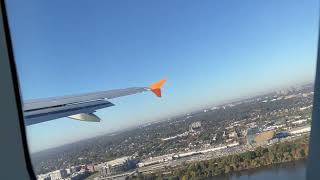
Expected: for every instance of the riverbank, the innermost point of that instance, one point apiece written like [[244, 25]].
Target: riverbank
[[260, 157]]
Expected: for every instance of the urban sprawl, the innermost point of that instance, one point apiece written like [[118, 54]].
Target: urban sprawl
[[209, 133]]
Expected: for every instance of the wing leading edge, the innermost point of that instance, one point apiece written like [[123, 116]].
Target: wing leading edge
[[79, 107]]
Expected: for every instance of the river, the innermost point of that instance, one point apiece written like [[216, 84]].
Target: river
[[286, 171]]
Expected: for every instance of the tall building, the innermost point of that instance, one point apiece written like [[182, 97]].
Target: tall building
[[59, 174]]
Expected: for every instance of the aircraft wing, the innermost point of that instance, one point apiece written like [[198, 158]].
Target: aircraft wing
[[79, 107]]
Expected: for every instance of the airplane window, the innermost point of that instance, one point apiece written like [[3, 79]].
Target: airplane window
[[166, 89]]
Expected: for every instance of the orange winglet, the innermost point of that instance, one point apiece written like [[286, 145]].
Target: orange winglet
[[156, 87]]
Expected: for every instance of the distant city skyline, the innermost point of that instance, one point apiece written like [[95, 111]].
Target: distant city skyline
[[208, 51]]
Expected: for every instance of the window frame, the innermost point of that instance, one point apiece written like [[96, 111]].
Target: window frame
[[15, 153]]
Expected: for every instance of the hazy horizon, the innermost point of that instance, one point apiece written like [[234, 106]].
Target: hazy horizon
[[132, 127]]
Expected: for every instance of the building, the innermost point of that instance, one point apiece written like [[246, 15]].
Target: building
[[83, 167], [43, 177], [90, 168], [58, 174], [97, 166], [251, 134], [156, 160], [82, 174], [104, 171], [75, 169], [194, 125], [300, 130], [117, 166], [68, 171], [233, 134], [301, 121]]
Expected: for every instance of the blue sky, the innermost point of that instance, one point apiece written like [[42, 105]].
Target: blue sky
[[210, 51]]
